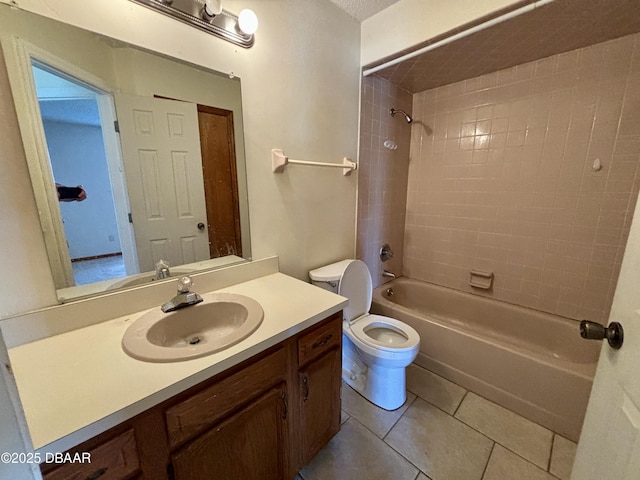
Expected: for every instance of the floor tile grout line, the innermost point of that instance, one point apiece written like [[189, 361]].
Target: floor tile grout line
[[431, 403], [396, 422], [390, 446], [410, 462], [351, 415], [453, 415], [467, 391], [518, 455], [553, 443], [494, 442], [446, 413], [511, 412], [444, 379], [480, 432], [460, 404], [484, 472]]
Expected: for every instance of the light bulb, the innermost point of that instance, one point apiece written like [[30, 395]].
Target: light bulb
[[248, 21], [212, 7]]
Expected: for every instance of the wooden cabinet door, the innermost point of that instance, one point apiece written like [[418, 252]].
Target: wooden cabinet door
[[250, 445], [320, 402]]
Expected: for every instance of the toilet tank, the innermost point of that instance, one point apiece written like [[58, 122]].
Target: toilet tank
[[328, 277]]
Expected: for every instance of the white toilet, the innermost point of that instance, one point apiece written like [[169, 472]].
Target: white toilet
[[375, 349]]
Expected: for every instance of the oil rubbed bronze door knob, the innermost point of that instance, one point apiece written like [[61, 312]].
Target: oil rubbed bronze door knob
[[201, 226], [614, 333]]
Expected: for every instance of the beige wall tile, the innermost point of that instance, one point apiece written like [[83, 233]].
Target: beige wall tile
[[512, 153], [383, 174]]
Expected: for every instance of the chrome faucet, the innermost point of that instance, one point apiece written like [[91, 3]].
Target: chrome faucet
[[386, 273], [185, 297], [163, 273], [162, 270]]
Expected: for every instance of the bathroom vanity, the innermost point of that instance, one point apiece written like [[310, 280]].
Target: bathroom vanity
[[262, 419], [260, 409]]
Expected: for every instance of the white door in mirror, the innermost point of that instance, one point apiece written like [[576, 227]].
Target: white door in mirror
[[163, 165]]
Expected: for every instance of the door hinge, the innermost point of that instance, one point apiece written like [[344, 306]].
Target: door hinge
[[116, 126], [130, 218]]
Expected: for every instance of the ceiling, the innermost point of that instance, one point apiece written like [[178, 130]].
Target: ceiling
[[363, 9], [551, 29]]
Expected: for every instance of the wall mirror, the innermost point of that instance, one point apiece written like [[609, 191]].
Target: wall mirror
[[154, 144]]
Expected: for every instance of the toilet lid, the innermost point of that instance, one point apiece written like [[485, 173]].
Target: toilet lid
[[356, 285]]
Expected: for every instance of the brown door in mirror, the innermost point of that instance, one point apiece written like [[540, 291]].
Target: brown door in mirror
[[220, 180]]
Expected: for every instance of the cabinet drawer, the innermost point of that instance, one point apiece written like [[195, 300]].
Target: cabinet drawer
[[313, 344], [208, 406], [115, 459]]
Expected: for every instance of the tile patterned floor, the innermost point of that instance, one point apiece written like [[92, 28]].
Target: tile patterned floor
[[442, 432]]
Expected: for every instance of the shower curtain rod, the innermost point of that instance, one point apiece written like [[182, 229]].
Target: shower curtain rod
[[477, 28]]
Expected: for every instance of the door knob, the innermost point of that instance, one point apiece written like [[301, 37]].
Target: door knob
[[595, 331], [201, 226]]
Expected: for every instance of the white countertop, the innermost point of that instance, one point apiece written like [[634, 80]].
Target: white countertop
[[78, 384]]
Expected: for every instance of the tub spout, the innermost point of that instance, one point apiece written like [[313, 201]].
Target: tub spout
[[386, 273]]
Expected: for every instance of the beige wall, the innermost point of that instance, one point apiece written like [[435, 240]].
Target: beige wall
[[411, 22], [505, 183], [300, 85], [382, 186]]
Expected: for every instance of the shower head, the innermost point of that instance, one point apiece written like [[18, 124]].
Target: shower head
[[406, 115]]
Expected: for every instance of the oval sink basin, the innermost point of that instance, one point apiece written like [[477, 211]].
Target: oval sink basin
[[220, 321]]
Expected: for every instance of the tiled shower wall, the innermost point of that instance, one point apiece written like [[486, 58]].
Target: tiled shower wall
[[382, 175], [504, 178]]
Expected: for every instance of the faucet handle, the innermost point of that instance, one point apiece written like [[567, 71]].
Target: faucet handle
[[184, 284]]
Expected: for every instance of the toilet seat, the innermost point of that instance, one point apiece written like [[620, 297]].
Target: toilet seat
[[390, 334], [377, 332]]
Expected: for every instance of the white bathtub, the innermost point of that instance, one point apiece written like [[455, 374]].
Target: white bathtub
[[533, 363]]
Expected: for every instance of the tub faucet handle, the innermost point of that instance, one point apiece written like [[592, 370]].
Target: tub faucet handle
[[386, 253]]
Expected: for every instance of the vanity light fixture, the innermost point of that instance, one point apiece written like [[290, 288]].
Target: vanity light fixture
[[209, 16]]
